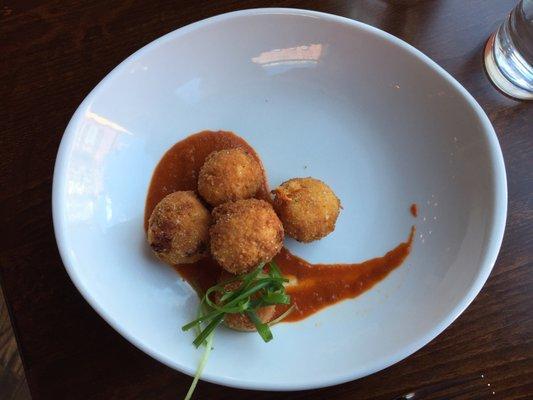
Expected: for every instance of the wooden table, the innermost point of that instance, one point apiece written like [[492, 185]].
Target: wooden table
[[54, 53]]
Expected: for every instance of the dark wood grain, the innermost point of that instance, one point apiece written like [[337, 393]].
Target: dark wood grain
[[53, 53], [13, 384]]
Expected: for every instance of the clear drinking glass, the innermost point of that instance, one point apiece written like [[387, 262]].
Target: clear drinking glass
[[509, 53]]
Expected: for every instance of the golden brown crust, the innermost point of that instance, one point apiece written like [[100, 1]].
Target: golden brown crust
[[241, 322], [307, 207], [245, 233], [178, 229], [229, 175]]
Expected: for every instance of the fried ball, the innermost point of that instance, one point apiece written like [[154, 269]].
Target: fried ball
[[241, 322], [307, 207], [244, 234], [229, 175], [178, 229]]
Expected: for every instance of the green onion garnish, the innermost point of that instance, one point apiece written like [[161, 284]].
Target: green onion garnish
[[258, 288], [261, 327], [208, 346]]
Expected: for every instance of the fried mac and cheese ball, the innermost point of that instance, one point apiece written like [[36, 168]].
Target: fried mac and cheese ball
[[178, 228], [245, 233], [307, 207], [229, 175]]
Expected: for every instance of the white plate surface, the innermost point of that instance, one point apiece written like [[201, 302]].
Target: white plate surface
[[317, 95]]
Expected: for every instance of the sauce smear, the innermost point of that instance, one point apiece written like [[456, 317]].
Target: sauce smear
[[319, 285], [414, 210], [312, 286]]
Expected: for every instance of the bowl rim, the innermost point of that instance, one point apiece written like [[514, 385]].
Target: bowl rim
[[497, 223]]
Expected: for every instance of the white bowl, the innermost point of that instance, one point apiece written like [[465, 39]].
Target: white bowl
[[317, 95]]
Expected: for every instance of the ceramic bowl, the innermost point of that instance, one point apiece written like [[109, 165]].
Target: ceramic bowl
[[315, 95]]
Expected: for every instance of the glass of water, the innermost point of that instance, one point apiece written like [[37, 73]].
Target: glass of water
[[509, 53]]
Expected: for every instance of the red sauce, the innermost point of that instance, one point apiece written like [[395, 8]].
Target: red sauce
[[414, 210], [179, 167], [320, 285], [313, 286]]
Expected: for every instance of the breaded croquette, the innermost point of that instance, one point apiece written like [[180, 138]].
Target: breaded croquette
[[307, 207], [245, 233], [178, 228], [229, 175]]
